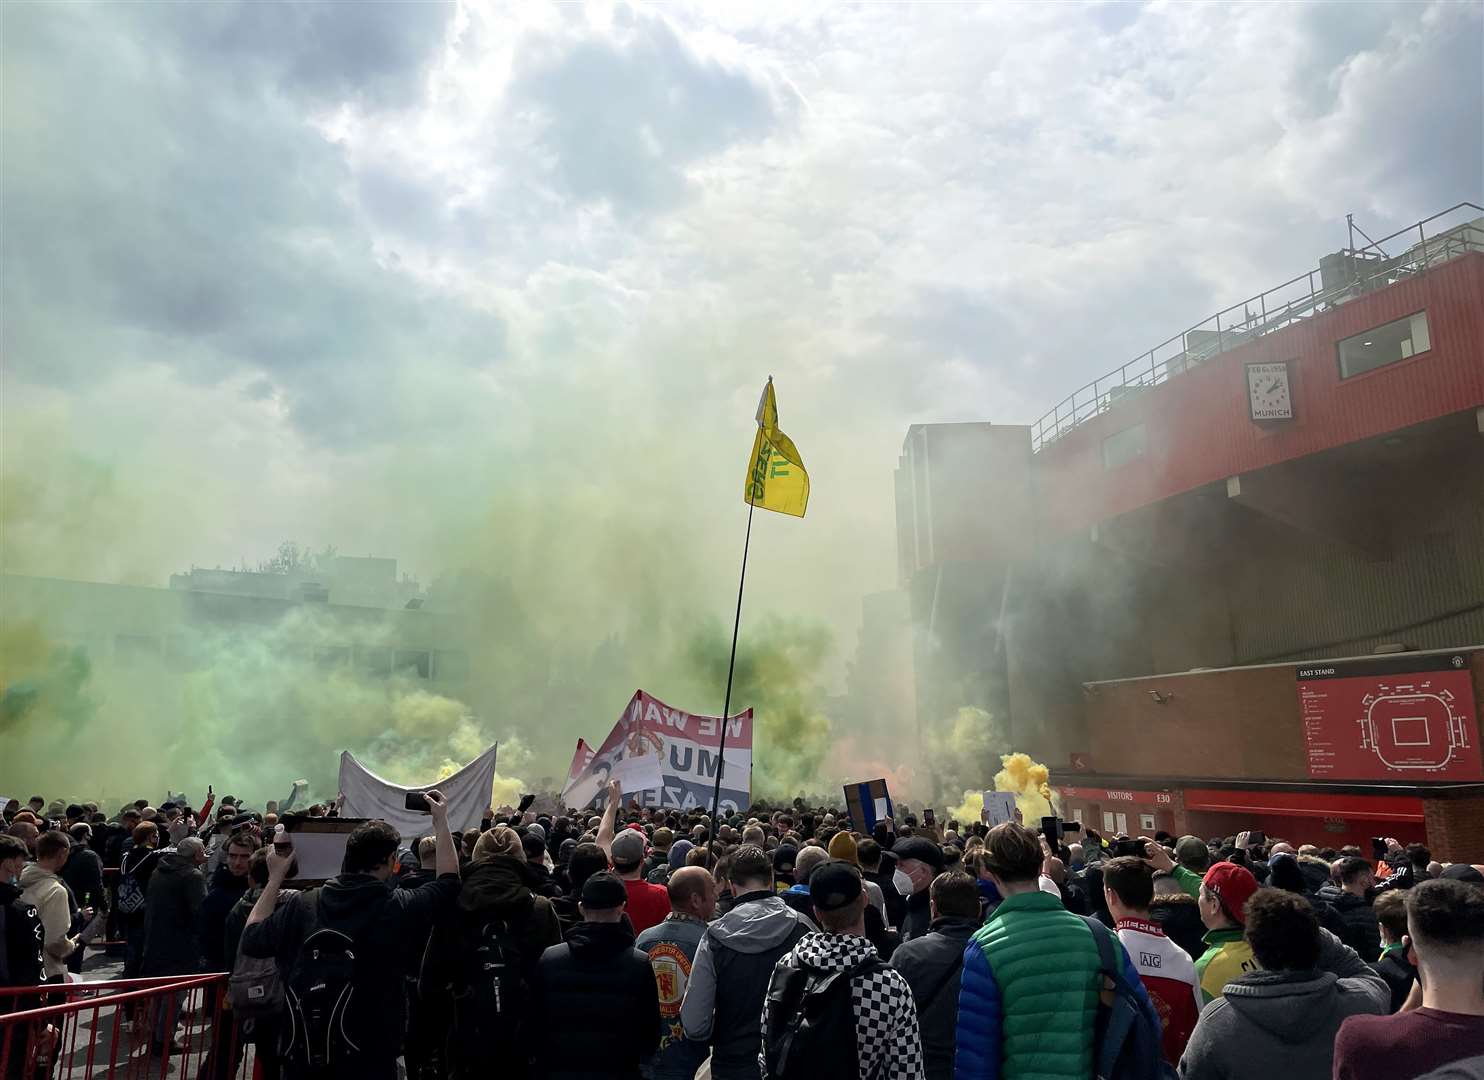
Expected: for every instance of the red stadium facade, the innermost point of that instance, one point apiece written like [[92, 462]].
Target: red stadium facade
[[1239, 582]]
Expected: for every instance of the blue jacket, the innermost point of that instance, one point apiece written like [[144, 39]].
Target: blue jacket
[[1028, 999]]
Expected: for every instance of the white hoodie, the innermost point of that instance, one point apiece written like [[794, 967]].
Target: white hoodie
[[51, 897]]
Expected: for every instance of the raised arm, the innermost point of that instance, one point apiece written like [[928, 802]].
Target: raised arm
[[610, 817]]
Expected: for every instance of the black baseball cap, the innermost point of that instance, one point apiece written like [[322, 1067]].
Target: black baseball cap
[[834, 885]]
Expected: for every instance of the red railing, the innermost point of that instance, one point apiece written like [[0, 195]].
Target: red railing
[[129, 1028]]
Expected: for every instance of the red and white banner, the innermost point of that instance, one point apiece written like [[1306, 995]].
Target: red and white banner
[[685, 747]]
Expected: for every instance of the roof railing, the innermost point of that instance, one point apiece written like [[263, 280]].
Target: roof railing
[[1339, 278]]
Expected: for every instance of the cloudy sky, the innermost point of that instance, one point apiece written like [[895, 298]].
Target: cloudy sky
[[501, 282]]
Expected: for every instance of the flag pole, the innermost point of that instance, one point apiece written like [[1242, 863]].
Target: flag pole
[[726, 709]]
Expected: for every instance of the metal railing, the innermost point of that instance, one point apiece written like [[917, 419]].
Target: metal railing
[[1338, 279]]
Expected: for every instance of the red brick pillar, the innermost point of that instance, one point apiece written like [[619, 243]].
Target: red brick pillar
[[1455, 828], [1177, 805]]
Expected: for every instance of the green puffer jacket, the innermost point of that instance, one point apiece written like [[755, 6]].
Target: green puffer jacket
[[1028, 1001]]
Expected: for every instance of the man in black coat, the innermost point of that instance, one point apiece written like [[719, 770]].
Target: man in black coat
[[933, 963], [596, 999], [1351, 899]]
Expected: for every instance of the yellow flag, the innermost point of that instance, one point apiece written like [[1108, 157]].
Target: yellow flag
[[776, 479]]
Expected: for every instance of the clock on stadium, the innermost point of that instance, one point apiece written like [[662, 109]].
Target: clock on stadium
[[1269, 396]]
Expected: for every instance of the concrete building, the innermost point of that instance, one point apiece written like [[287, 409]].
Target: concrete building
[[1239, 581]]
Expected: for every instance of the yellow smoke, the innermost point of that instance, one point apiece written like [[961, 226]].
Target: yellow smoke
[[1027, 779]]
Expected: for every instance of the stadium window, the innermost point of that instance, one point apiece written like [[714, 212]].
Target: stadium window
[[1124, 446], [1397, 340], [374, 661], [410, 662], [451, 665]]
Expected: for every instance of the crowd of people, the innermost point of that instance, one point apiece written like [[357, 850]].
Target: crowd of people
[[769, 944]]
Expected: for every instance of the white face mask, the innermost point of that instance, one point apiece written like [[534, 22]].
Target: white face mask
[[902, 882]]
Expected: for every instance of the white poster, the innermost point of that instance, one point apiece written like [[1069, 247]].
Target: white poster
[[467, 791], [999, 807]]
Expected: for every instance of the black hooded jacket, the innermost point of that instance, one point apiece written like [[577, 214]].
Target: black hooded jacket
[[21, 961], [495, 888], [1358, 919], [380, 920], [596, 994], [222, 894]]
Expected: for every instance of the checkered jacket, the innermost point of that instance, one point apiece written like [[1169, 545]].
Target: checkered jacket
[[886, 1038]]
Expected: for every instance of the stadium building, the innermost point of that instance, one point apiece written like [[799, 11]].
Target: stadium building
[[1238, 582]]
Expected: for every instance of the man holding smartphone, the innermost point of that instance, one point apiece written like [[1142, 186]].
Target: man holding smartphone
[[359, 925]]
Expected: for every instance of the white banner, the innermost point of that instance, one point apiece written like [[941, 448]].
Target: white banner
[[468, 793]]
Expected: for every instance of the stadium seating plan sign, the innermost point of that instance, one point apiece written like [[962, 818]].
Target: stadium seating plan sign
[[1397, 718]]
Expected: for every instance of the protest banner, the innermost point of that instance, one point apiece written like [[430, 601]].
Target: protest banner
[[868, 803], [466, 791], [668, 758], [999, 807]]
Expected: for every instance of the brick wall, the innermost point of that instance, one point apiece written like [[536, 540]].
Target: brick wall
[[1455, 829]]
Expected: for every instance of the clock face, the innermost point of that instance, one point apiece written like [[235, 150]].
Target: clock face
[[1268, 394]]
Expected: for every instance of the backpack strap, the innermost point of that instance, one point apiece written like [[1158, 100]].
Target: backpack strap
[[1103, 937]]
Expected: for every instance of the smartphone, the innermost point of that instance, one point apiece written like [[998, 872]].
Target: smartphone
[[1378, 847], [1051, 829], [1071, 826], [1136, 848], [1256, 836], [418, 801], [927, 817]]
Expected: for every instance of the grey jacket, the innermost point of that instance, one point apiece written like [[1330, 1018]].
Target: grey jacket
[[1283, 1023], [724, 999], [932, 965]]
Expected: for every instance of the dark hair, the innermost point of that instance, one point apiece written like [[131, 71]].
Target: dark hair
[[257, 867], [955, 894], [369, 846], [74, 810], [11, 847], [1013, 853], [80, 832], [868, 852], [52, 842], [586, 860], [533, 846], [1418, 856], [1391, 912], [244, 838], [1282, 930], [1446, 912], [1131, 880], [751, 864], [1352, 867]]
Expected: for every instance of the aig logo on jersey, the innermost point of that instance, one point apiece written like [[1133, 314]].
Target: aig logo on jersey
[[1150, 959]]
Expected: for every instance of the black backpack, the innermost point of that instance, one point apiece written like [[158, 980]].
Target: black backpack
[[809, 1023], [491, 999], [319, 998]]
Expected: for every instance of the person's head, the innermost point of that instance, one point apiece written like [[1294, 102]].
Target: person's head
[[1128, 887], [13, 856], [502, 840], [702, 856], [752, 870], [921, 860], [953, 895], [130, 818], [1355, 875], [754, 834], [1075, 854], [146, 834], [26, 833], [371, 849], [1192, 853], [534, 847], [838, 897], [1445, 928], [628, 850], [1282, 930], [52, 849], [1419, 856], [868, 853], [37, 804], [785, 856], [603, 898], [1225, 890], [80, 832], [1390, 909], [662, 839], [427, 851], [192, 848], [809, 858], [240, 850], [75, 813], [1012, 856], [693, 892]]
